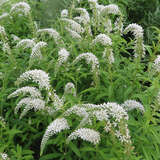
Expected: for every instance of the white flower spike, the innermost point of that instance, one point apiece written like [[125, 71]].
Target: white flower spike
[[55, 127], [20, 8], [38, 76], [34, 92], [86, 134]]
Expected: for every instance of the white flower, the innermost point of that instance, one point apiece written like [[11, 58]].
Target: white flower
[[84, 16], [26, 43], [73, 25], [132, 104], [123, 137], [101, 115], [2, 31], [37, 76], [110, 9], [102, 39], [15, 38], [55, 127], [93, 1], [63, 55], [108, 126], [57, 102], [136, 29], [80, 111], [73, 34], [107, 25], [2, 120], [51, 32], [110, 56], [158, 98], [156, 64], [34, 92], [4, 156], [64, 13], [114, 110], [6, 48], [118, 24], [30, 103], [4, 15], [36, 50], [70, 89], [20, 8], [90, 59], [86, 134]]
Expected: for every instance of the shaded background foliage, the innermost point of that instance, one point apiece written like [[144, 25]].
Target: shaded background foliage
[[143, 12]]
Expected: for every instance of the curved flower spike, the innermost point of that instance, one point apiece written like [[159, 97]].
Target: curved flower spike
[[4, 156], [34, 92], [90, 59], [55, 127], [64, 13], [110, 9], [103, 39], [70, 89], [73, 34], [37, 76], [73, 25], [137, 30], [30, 103], [20, 8], [51, 32], [84, 16], [36, 51], [86, 134], [26, 43], [132, 104]]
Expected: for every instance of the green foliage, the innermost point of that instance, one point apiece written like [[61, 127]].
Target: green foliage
[[127, 78]]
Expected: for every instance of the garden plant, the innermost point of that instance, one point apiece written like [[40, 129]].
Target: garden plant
[[87, 87]]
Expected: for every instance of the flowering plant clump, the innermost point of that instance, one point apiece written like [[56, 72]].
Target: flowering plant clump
[[80, 92]]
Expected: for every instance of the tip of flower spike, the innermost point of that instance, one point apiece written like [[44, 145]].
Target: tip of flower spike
[[20, 8], [85, 134]]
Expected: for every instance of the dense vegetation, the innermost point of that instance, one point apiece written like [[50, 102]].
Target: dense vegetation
[[83, 84]]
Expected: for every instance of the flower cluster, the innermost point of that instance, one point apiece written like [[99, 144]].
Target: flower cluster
[[55, 127], [138, 33], [34, 92], [37, 76], [36, 50], [20, 8], [110, 9], [30, 103], [156, 64], [25, 43], [2, 120], [51, 32], [73, 25], [90, 59], [132, 104], [73, 34], [86, 134], [102, 39], [84, 17], [4, 156], [64, 13], [70, 89]]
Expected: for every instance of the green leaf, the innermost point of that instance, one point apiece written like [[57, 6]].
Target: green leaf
[[74, 149]]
